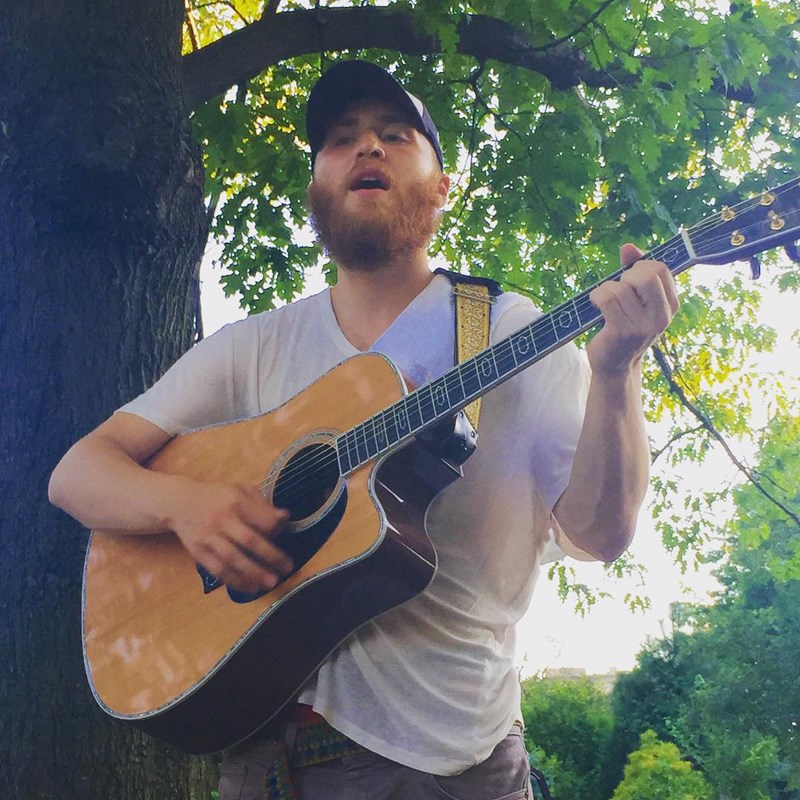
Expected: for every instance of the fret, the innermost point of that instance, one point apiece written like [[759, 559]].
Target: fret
[[587, 311], [413, 411], [504, 357], [401, 419], [370, 438], [393, 433], [380, 430], [440, 396], [523, 345], [487, 368], [342, 455], [454, 387], [361, 443], [351, 448], [427, 404], [674, 253], [470, 381], [566, 320], [545, 333]]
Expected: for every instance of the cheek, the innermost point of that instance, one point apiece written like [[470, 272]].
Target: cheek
[[327, 166]]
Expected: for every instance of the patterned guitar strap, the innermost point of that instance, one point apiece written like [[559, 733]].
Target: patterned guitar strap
[[474, 298]]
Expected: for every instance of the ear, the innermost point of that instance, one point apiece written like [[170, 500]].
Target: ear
[[443, 189]]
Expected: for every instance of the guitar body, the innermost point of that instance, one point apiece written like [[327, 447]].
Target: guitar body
[[185, 661]]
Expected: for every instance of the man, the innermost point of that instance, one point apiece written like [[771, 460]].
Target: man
[[427, 693]]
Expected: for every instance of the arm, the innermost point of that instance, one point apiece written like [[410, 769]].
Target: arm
[[610, 470], [100, 482]]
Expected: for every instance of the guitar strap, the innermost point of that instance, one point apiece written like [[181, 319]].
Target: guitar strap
[[474, 298]]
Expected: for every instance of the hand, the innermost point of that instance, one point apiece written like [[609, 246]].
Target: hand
[[228, 529], [637, 309]]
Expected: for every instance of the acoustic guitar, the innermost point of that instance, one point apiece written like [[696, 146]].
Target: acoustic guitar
[[172, 651]]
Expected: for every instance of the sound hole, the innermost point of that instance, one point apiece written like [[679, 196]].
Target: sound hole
[[304, 486], [307, 481]]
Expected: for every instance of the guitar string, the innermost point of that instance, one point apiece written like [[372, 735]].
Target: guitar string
[[746, 206], [360, 436], [580, 303]]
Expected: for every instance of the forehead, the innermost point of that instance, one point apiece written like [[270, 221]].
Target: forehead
[[370, 111]]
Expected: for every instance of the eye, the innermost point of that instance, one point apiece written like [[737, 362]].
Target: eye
[[395, 134]]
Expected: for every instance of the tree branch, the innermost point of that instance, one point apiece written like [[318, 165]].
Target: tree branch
[[706, 423], [656, 454], [271, 9], [245, 53]]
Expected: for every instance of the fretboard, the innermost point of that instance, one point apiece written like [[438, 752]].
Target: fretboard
[[459, 386]]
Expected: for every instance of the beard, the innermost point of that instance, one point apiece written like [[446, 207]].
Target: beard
[[381, 236]]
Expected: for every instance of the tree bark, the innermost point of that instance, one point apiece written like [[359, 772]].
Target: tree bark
[[101, 228]]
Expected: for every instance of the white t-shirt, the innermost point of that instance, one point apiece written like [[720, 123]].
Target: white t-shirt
[[430, 684]]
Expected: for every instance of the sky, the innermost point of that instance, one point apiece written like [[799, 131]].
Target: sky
[[552, 635]]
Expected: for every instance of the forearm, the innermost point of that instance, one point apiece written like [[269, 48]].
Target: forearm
[[610, 470], [103, 487]]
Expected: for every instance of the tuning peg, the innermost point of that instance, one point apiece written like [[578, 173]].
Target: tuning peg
[[755, 268], [792, 252]]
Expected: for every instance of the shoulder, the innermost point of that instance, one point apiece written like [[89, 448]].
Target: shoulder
[[275, 320]]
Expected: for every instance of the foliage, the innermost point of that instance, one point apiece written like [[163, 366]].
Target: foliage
[[724, 686], [568, 726], [742, 722], [656, 772], [651, 697], [661, 113]]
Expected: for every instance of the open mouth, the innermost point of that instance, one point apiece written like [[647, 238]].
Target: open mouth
[[369, 182]]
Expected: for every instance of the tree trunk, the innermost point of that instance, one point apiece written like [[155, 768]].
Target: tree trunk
[[101, 228]]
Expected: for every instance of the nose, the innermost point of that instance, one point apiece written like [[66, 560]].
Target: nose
[[370, 145]]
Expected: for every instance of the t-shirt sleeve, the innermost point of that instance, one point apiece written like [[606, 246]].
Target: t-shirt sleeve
[[200, 388]]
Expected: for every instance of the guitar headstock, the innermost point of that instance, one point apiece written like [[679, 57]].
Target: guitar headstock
[[748, 228]]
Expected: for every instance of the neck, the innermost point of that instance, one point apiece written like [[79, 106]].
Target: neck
[[366, 302]]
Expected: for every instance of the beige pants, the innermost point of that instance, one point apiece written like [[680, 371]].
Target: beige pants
[[505, 775]]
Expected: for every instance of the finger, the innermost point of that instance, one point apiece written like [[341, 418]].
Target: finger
[[629, 254], [654, 286], [258, 512], [618, 303], [246, 573], [236, 570], [253, 544]]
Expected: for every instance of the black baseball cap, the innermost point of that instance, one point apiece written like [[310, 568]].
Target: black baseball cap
[[349, 81]]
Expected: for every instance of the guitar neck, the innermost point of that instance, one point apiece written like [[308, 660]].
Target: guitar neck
[[474, 377], [736, 232]]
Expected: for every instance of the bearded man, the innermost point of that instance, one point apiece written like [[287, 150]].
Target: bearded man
[[422, 701]]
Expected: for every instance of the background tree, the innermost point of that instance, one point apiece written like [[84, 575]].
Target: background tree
[[568, 725], [724, 686], [570, 126], [650, 697], [656, 772], [741, 724]]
